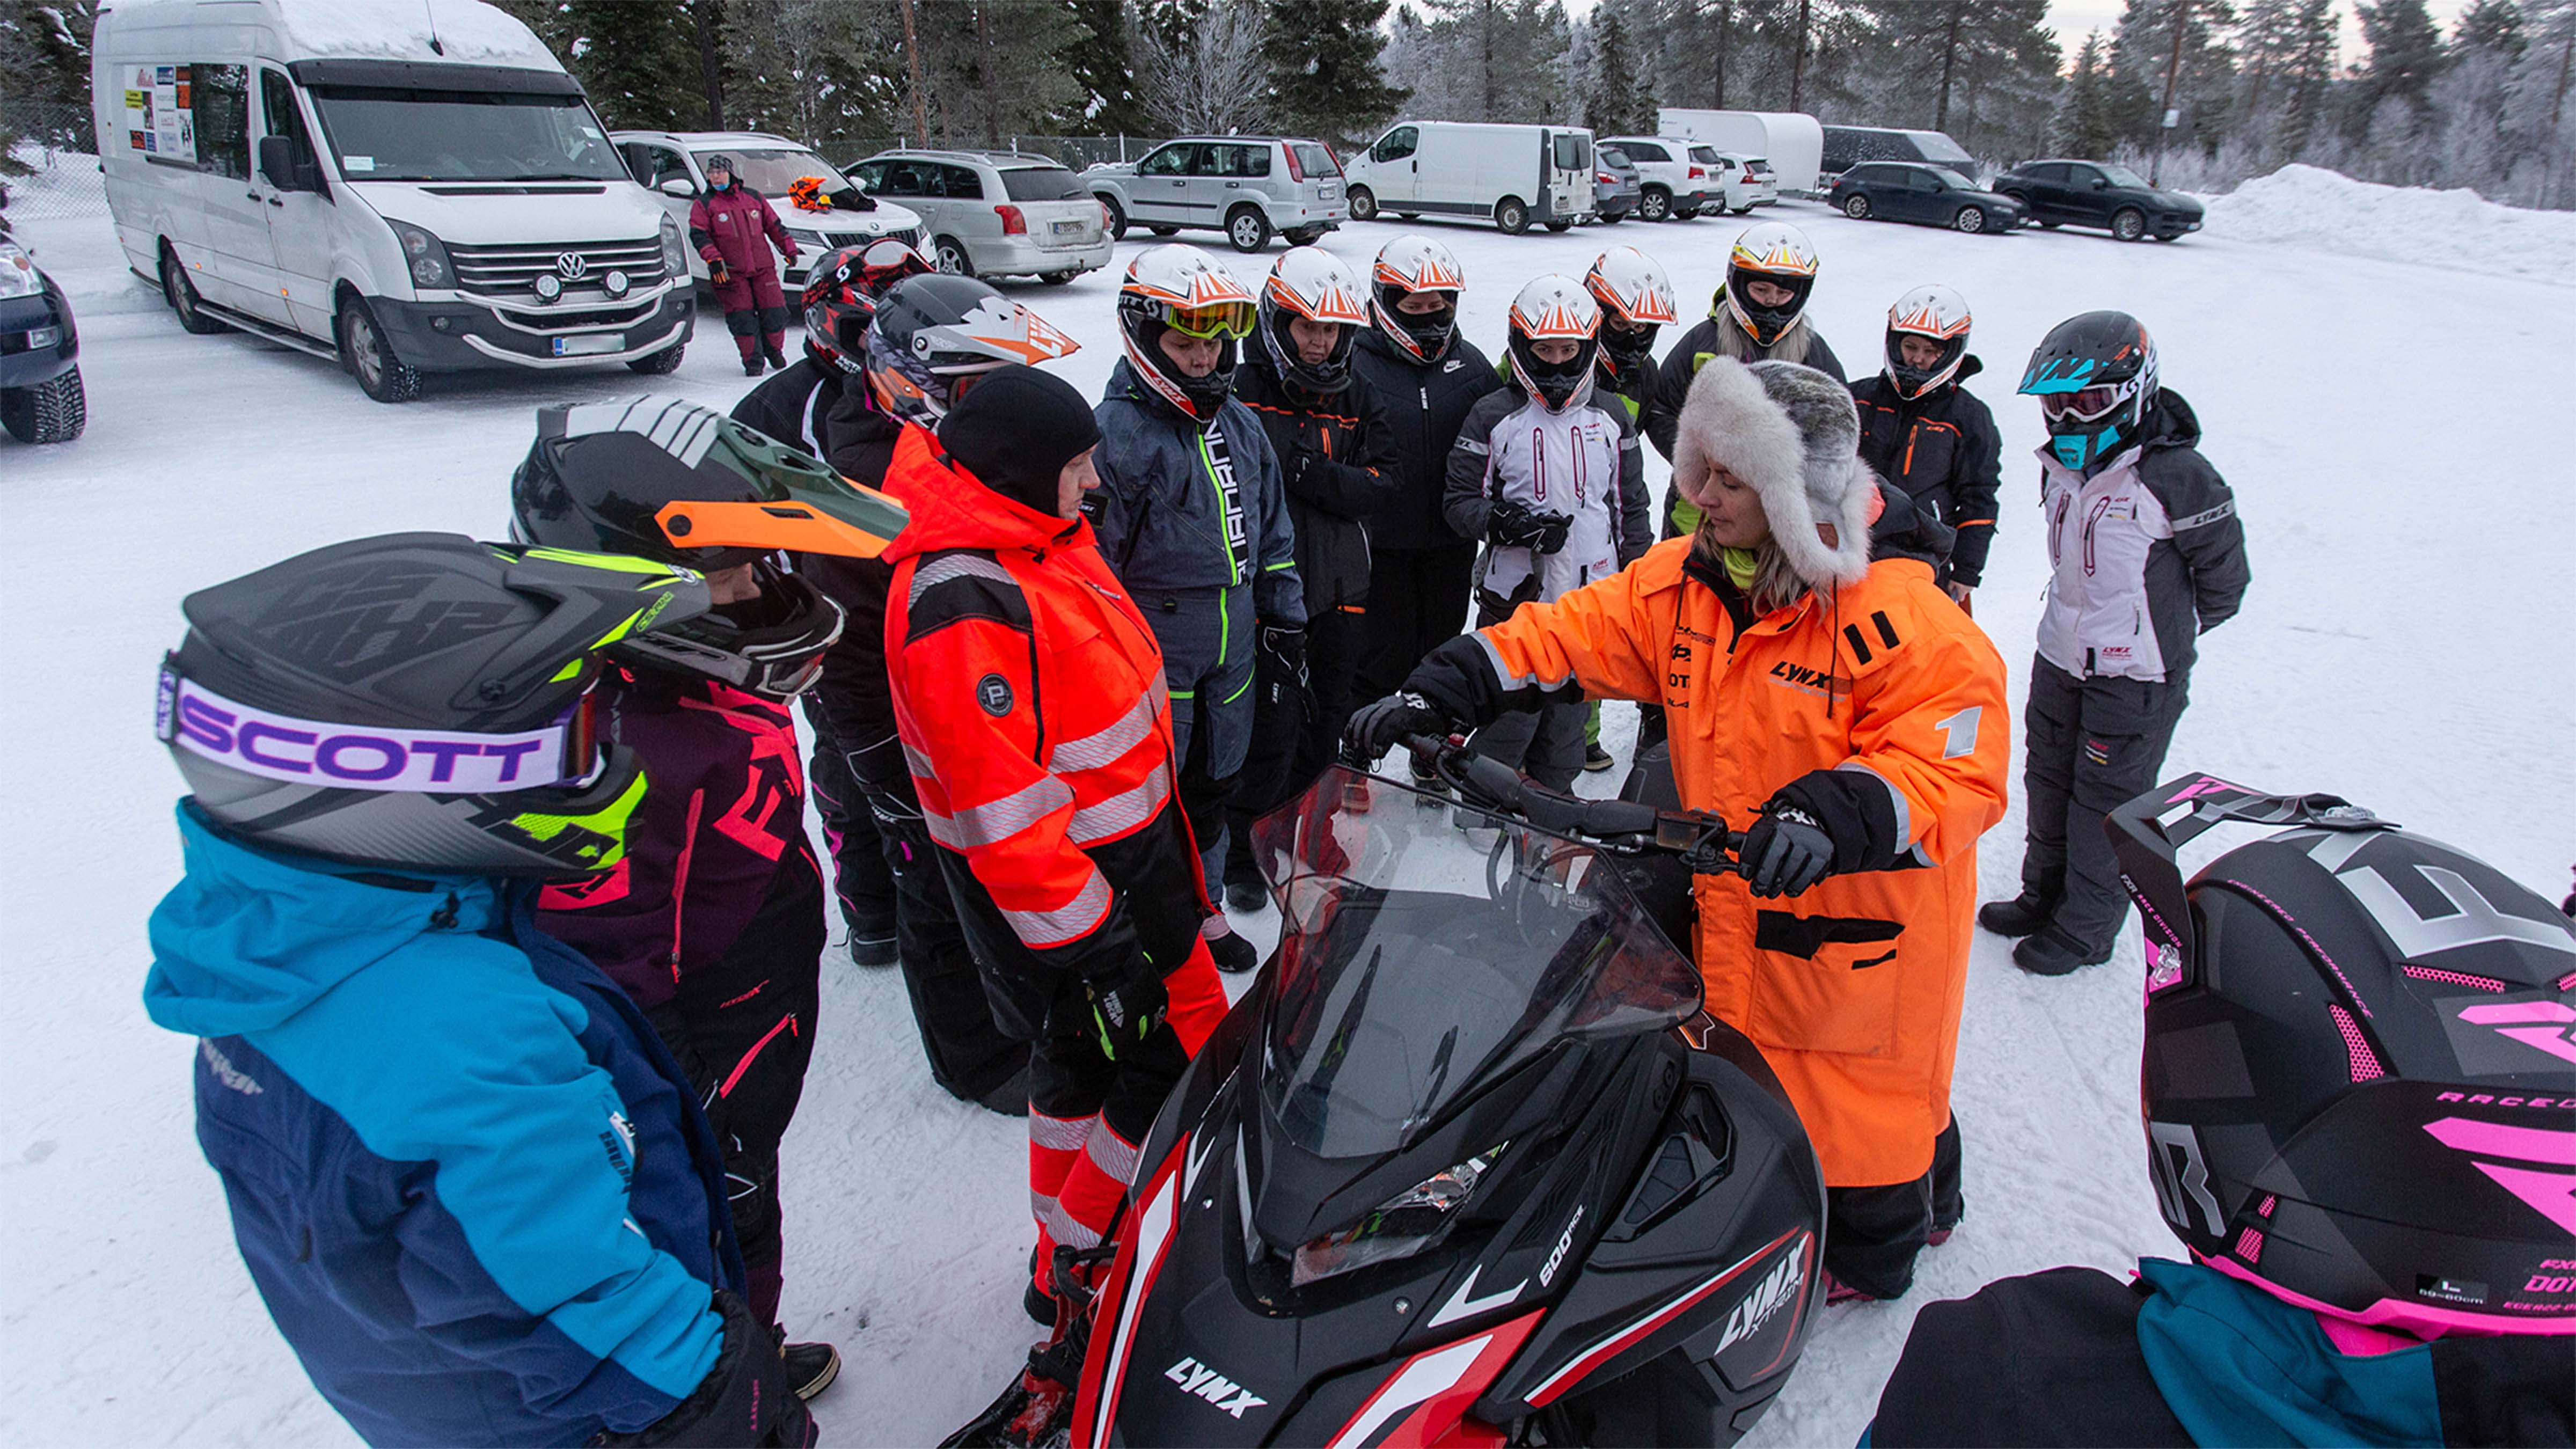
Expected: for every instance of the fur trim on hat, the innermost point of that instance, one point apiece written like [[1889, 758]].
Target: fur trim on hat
[[1792, 435]]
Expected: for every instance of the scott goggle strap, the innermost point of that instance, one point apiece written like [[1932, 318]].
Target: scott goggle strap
[[284, 747]]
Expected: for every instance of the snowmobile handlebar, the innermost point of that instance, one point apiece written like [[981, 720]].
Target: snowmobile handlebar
[[1626, 827]]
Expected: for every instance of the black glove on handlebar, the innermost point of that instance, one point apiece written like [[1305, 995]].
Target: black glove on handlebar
[[1377, 727], [1514, 524], [1785, 852]]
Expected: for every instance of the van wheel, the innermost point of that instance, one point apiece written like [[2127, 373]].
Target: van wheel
[[2129, 223], [1363, 204], [1248, 229], [1655, 204], [1117, 218], [364, 351], [952, 257], [52, 411], [1512, 215], [662, 363], [1856, 207], [1164, 230], [181, 294]]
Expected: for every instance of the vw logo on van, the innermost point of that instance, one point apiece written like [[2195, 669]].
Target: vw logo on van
[[572, 266]]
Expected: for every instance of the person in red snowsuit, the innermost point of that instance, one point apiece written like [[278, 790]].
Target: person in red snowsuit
[[732, 227], [1029, 695]]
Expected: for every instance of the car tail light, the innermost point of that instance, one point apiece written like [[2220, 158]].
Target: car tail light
[[1606, 179], [1698, 174], [1013, 223], [1106, 221], [1295, 171]]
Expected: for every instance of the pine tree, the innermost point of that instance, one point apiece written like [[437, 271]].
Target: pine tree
[[44, 51], [2142, 56], [1618, 102], [1101, 63], [1985, 71], [2490, 27], [2084, 123], [1324, 77], [638, 59], [2405, 50]]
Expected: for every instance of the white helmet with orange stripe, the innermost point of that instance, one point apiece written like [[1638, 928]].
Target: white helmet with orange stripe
[[1558, 314], [1779, 255], [1414, 265], [930, 337], [1181, 289], [1636, 300], [1310, 285], [1930, 313]]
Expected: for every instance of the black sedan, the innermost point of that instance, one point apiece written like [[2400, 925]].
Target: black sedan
[[1933, 195], [2099, 193]]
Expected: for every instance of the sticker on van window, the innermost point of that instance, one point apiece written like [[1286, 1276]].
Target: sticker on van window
[[357, 163], [591, 131]]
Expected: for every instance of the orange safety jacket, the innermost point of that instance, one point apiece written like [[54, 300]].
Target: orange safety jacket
[[1029, 695], [1853, 989]]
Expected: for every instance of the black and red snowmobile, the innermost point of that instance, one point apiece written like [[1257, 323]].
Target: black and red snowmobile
[[1469, 1165]]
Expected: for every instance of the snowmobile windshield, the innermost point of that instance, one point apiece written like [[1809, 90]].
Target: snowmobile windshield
[[1421, 960]]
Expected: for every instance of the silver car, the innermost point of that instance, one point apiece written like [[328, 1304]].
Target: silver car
[[673, 165], [1249, 187], [1616, 188], [995, 213]]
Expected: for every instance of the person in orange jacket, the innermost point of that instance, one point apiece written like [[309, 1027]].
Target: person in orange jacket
[[1853, 712], [1029, 694]]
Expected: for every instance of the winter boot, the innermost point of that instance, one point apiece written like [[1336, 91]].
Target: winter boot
[[811, 1367], [1838, 1291], [772, 348], [1233, 954], [2023, 915], [1037, 1409], [1246, 896], [1595, 758], [752, 365], [2053, 952], [1011, 1098]]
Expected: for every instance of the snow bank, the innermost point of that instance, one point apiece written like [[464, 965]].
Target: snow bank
[[2307, 206]]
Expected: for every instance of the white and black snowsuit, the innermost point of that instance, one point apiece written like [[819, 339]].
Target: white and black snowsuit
[[2146, 555]]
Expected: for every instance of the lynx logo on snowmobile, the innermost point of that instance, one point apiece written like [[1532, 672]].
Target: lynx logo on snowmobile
[[1779, 1287], [1197, 1378], [1556, 1259]]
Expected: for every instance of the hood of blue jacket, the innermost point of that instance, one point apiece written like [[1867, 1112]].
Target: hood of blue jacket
[[250, 937], [2239, 1366]]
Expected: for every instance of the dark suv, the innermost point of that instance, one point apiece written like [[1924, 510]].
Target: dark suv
[[2099, 193], [1910, 191]]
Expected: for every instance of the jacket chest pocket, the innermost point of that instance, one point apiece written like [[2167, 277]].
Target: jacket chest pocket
[[1925, 463], [1824, 983]]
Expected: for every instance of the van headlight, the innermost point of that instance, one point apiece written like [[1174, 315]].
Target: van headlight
[[675, 262], [1399, 1227], [18, 272], [424, 254]]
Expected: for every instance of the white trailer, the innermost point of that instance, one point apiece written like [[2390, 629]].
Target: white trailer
[[1791, 141]]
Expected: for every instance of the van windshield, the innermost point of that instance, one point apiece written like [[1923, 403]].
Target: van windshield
[[385, 134]]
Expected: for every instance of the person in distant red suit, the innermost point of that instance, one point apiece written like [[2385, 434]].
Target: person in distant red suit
[[732, 226]]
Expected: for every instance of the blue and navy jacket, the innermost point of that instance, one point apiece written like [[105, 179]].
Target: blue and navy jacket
[[472, 1187], [1168, 524], [2188, 1356]]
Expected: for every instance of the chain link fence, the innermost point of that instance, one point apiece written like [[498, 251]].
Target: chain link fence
[[1076, 152], [52, 167]]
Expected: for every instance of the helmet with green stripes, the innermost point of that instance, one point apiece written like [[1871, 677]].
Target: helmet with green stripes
[[417, 702]]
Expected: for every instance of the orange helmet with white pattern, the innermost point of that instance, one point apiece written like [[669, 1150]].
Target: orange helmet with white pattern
[[1182, 289], [1416, 264], [1310, 284], [1555, 308], [1636, 301], [1939, 315], [1777, 253]]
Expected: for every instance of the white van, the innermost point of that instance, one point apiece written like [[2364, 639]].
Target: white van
[[1514, 175], [405, 186], [1790, 141]]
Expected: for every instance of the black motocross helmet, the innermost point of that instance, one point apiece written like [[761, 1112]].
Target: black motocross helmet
[[2359, 1079], [680, 484], [417, 702], [2095, 375]]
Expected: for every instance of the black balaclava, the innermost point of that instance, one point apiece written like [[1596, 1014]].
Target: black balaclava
[[1016, 429]]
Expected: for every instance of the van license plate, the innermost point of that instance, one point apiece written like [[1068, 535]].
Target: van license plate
[[589, 344]]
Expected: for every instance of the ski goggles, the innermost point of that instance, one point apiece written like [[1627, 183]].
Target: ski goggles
[[332, 755], [2084, 405], [1212, 322]]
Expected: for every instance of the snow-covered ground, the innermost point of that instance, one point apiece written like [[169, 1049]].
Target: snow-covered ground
[[2405, 644]]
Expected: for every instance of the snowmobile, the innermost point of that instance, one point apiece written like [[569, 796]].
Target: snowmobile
[[1468, 1164]]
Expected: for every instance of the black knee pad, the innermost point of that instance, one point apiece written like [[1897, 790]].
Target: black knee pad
[[744, 323]]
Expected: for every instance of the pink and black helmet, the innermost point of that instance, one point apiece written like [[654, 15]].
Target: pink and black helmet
[[2360, 1070]]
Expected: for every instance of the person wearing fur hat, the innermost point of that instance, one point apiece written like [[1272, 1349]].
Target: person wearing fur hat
[[1029, 694], [1841, 706]]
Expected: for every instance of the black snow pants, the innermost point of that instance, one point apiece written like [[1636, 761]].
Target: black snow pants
[[1872, 1234], [743, 1030], [969, 1055], [2090, 746], [1417, 601], [1334, 638], [859, 875]]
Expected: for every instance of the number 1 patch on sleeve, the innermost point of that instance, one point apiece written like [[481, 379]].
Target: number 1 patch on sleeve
[[1959, 732]]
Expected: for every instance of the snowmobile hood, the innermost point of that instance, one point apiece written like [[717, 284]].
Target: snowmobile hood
[[2240, 1366], [250, 937], [940, 514]]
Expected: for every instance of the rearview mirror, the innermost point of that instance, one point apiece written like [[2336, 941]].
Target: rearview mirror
[[2101, 183], [678, 186]]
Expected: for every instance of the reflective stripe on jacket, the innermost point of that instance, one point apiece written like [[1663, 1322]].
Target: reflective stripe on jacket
[[1852, 990], [1029, 694], [1165, 521]]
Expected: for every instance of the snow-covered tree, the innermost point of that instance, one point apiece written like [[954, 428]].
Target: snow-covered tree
[[1206, 73]]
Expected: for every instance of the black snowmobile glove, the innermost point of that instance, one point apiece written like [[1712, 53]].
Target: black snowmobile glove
[[1785, 852], [1283, 655], [718, 272], [1515, 524], [744, 1399], [1126, 1004], [1377, 727]]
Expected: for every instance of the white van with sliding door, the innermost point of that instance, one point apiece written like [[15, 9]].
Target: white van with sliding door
[[404, 186], [1510, 175]]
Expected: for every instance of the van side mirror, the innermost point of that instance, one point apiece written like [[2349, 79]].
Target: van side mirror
[[285, 164], [678, 186]]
